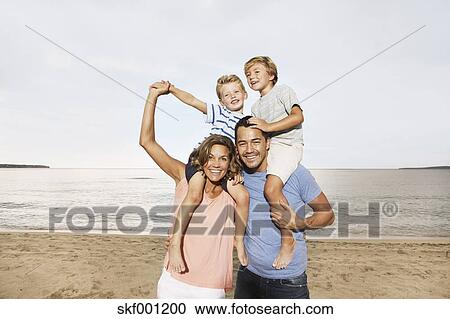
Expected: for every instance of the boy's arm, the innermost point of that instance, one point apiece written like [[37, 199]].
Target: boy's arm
[[292, 120], [188, 98]]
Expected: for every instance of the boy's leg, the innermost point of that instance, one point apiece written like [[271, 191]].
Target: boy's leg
[[273, 190], [190, 203], [282, 162], [242, 199]]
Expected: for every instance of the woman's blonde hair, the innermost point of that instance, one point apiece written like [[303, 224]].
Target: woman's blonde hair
[[199, 156], [225, 79], [267, 62]]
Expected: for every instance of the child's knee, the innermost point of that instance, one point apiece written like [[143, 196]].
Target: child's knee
[[272, 190], [239, 193]]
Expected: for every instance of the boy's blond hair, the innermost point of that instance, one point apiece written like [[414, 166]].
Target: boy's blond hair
[[225, 79], [267, 62]]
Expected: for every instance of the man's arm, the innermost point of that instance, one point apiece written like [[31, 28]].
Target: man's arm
[[323, 215]]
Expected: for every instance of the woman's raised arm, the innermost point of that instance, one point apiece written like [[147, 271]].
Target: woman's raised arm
[[171, 166]]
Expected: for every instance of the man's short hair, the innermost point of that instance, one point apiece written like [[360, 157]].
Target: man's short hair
[[267, 62], [225, 79], [245, 123]]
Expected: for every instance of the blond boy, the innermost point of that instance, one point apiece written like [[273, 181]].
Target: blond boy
[[278, 113]]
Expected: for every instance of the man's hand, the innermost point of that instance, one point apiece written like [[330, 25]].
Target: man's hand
[[287, 218], [160, 88], [260, 124]]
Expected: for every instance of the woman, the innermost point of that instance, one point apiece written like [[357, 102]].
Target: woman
[[207, 242]]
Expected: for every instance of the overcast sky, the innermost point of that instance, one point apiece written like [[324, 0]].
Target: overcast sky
[[54, 110]]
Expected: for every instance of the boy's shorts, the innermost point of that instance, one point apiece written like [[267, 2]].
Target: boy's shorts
[[190, 170], [283, 159]]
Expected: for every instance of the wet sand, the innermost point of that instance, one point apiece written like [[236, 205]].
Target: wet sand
[[42, 265]]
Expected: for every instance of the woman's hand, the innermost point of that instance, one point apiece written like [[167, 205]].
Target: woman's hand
[[160, 88]]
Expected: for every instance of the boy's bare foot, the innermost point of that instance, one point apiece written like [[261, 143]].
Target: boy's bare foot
[[286, 253], [176, 262], [242, 255]]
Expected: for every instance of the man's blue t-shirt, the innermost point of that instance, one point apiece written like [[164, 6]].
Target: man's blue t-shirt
[[263, 239]]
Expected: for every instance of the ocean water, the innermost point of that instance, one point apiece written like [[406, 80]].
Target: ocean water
[[405, 203]]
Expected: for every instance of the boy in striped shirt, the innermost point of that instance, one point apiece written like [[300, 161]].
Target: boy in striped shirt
[[223, 118]]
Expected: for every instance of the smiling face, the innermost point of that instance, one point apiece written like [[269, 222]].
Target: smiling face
[[259, 78], [252, 148], [232, 96], [217, 164]]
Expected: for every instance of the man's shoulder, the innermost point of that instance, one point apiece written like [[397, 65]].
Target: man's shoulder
[[301, 170], [300, 176], [254, 177]]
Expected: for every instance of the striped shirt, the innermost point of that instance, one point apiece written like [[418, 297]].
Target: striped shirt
[[222, 120]]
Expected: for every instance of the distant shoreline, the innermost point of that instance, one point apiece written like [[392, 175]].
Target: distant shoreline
[[22, 166], [429, 167]]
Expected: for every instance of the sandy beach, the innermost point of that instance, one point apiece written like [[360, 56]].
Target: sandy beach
[[42, 265]]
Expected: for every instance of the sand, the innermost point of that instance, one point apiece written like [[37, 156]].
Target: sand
[[42, 265]]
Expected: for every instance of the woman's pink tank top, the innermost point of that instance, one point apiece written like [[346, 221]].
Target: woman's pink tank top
[[208, 242]]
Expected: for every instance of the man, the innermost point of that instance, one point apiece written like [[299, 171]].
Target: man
[[262, 240]]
